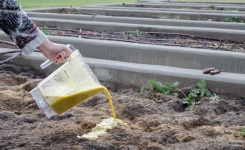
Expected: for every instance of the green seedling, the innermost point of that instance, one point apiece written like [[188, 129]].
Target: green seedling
[[242, 133], [215, 97], [203, 91], [158, 88], [194, 94], [191, 99], [142, 89], [135, 33], [132, 34], [164, 89], [234, 19], [45, 30]]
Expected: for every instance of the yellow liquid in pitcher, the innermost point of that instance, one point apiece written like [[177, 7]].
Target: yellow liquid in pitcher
[[64, 103]]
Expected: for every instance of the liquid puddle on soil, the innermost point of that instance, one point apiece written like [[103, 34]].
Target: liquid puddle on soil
[[63, 103], [100, 129]]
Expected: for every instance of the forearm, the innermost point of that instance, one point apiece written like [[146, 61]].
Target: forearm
[[20, 29]]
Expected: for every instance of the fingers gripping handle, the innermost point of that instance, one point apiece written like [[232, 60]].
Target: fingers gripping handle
[[50, 61]]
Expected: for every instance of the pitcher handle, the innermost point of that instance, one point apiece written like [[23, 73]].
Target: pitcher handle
[[50, 61]]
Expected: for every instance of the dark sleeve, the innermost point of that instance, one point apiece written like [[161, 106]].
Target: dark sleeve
[[20, 29]]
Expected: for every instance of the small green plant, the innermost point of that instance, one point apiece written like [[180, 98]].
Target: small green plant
[[203, 91], [135, 33], [142, 89], [242, 133], [234, 19], [45, 30], [159, 89], [191, 99], [164, 89], [194, 94], [132, 34], [215, 97]]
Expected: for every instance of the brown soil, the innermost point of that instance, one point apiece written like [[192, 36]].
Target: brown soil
[[151, 125]]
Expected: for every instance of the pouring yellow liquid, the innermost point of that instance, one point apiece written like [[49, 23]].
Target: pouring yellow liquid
[[60, 104], [64, 103]]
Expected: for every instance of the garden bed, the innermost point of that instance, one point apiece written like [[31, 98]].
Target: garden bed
[[155, 121], [154, 38], [188, 7], [166, 14]]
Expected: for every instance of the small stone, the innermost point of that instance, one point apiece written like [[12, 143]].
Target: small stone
[[227, 131]]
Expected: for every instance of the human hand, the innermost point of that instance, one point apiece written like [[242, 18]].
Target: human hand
[[51, 50]]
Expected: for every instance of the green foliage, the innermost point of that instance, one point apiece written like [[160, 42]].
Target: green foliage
[[234, 19], [191, 99], [194, 94], [203, 91], [164, 89], [215, 97], [45, 30], [142, 89], [135, 33], [132, 34], [242, 133], [158, 88]]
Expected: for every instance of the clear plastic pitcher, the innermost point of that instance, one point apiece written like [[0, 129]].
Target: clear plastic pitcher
[[73, 77]]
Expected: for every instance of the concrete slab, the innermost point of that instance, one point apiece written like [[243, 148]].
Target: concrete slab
[[139, 74], [179, 57]]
